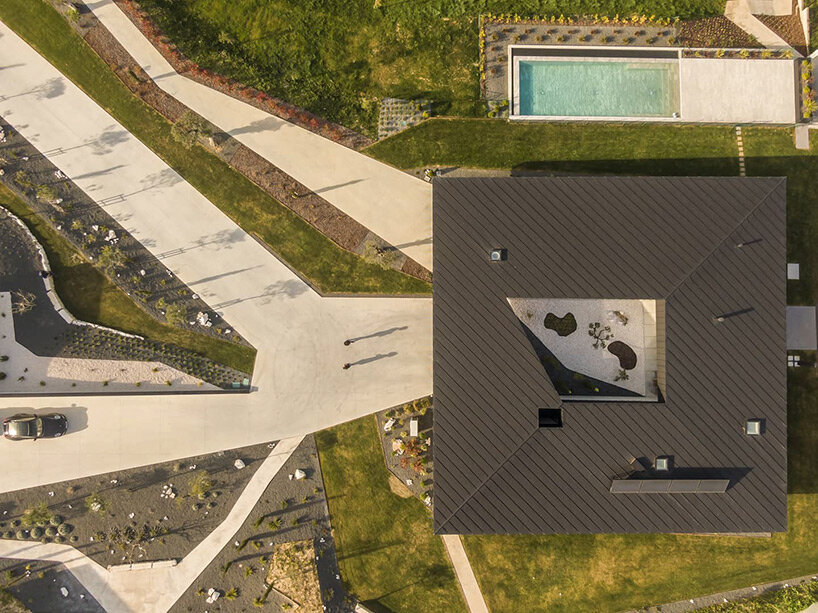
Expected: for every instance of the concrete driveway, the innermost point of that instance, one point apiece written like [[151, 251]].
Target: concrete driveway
[[389, 202], [301, 386]]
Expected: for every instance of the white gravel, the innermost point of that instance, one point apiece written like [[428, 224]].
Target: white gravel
[[25, 371], [576, 350]]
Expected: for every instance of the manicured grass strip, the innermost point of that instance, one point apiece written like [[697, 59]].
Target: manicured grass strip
[[563, 147], [329, 267], [90, 296], [387, 553]]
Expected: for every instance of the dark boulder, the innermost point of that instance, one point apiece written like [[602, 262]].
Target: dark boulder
[[626, 355], [561, 325]]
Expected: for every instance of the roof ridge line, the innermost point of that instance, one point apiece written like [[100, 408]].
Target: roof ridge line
[[490, 475], [726, 236]]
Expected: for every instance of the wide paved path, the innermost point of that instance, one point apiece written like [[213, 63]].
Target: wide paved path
[[389, 202], [299, 335]]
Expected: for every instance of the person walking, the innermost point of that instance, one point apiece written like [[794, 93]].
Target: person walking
[[347, 365]]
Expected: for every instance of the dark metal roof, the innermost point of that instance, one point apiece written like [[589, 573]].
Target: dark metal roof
[[674, 239]]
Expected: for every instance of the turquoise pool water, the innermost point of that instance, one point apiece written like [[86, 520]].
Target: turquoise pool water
[[599, 89]]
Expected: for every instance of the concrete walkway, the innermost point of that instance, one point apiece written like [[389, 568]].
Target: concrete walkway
[[155, 590], [738, 11], [299, 384], [394, 205], [465, 574]]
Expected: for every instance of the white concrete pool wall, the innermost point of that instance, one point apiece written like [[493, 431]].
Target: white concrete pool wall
[[711, 90]]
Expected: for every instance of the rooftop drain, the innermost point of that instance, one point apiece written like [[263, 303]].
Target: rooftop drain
[[752, 427], [550, 418], [497, 255]]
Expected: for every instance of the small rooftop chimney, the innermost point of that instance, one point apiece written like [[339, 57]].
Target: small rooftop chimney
[[497, 255]]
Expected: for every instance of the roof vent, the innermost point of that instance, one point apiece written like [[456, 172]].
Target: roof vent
[[752, 427], [550, 418], [497, 255], [662, 462]]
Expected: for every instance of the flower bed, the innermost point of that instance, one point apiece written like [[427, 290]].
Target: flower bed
[[808, 103], [250, 95], [409, 458]]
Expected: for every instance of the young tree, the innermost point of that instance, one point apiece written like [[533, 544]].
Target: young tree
[[110, 258], [38, 515], [176, 313], [382, 256], [189, 128]]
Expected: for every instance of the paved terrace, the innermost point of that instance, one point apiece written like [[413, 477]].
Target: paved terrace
[[301, 386], [391, 203]]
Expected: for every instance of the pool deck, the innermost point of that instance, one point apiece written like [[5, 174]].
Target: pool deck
[[738, 90], [711, 90]]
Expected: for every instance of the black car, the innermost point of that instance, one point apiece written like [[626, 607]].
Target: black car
[[28, 426]]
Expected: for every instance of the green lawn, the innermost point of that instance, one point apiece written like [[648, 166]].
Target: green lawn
[[387, 553], [90, 296], [615, 572], [338, 58], [563, 147], [302, 247], [788, 600]]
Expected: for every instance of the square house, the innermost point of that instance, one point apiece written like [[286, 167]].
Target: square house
[[606, 352]]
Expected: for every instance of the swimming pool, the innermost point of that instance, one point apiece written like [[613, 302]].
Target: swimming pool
[[597, 88]]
